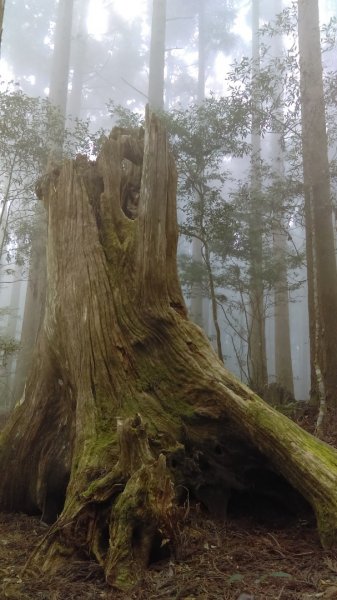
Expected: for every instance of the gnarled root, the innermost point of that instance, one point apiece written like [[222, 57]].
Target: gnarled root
[[122, 519]]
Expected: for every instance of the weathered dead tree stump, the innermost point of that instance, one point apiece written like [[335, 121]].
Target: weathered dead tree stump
[[127, 407]]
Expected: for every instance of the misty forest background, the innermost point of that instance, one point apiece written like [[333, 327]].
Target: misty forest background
[[229, 92]]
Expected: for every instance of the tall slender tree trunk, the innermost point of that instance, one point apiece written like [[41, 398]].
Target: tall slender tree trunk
[[201, 51], [128, 412], [257, 359], [12, 333], [157, 55], [318, 200], [2, 10], [214, 305], [58, 90], [79, 52], [313, 312], [283, 362], [34, 305], [201, 255], [197, 295]]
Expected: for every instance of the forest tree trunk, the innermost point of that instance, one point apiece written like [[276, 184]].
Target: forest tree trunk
[[79, 60], [2, 10], [197, 291], [257, 356], [157, 55], [127, 408], [34, 305], [58, 91], [35, 297], [11, 333], [318, 204], [283, 363]]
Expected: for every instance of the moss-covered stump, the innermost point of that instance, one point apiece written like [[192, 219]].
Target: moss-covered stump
[[127, 411]]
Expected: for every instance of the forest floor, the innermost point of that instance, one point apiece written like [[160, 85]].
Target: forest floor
[[260, 551]]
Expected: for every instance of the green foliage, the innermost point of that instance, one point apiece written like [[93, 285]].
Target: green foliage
[[8, 345], [201, 136], [190, 273], [124, 117], [29, 128]]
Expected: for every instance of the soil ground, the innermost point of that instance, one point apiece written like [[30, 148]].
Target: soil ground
[[259, 553]]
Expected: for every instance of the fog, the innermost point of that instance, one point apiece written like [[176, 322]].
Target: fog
[[206, 67]]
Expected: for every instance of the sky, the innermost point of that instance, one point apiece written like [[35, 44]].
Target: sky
[[133, 9], [129, 9]]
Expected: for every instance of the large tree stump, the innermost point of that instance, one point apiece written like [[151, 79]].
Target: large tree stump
[[127, 409]]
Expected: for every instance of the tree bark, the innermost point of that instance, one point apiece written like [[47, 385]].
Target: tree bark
[[11, 332], [318, 199], [127, 408], [79, 53], [257, 356], [157, 55], [61, 56], [36, 289], [34, 306], [2, 10], [197, 294], [283, 363]]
